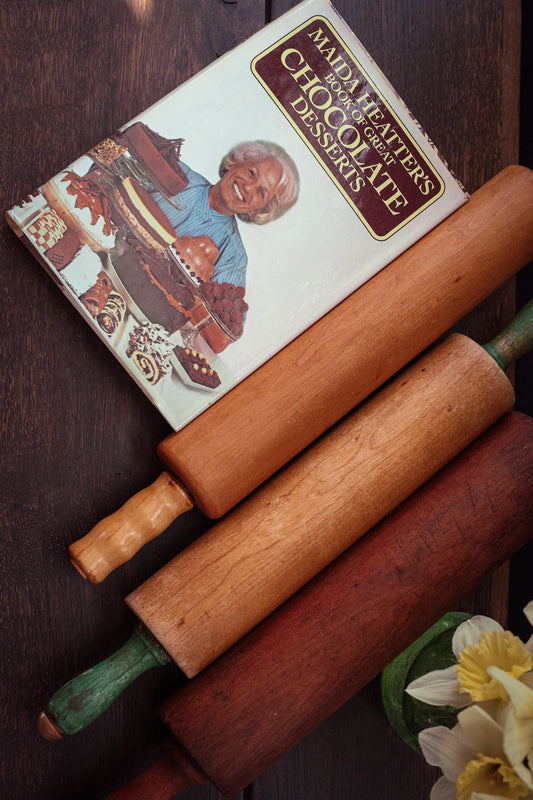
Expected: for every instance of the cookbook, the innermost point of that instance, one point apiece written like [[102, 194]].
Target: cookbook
[[212, 229]]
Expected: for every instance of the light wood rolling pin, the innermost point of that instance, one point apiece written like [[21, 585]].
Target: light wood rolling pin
[[311, 656], [250, 433], [249, 563]]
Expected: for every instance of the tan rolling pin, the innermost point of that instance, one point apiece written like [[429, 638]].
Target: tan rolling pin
[[249, 563], [323, 374]]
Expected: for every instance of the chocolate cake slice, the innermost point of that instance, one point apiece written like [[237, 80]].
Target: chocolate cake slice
[[148, 278], [160, 156], [62, 253], [197, 367]]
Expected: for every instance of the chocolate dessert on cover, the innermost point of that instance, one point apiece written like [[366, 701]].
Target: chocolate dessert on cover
[[156, 286], [26, 210], [47, 229], [149, 349], [85, 276], [143, 215], [227, 302], [106, 152], [159, 155], [95, 298], [197, 367], [112, 314], [62, 252], [84, 207], [197, 256]]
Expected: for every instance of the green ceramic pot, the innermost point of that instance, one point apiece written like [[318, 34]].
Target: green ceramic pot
[[433, 650]]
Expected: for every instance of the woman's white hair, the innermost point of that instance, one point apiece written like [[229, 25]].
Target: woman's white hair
[[288, 187]]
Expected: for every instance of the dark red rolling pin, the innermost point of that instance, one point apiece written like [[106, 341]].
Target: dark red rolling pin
[[303, 662]]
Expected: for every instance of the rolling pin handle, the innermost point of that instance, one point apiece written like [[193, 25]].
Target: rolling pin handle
[[80, 701], [170, 774], [117, 538], [515, 340]]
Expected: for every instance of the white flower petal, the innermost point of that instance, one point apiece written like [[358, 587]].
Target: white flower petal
[[443, 790], [469, 632], [518, 729], [529, 644], [441, 748], [528, 611], [518, 746], [479, 731], [520, 694], [439, 688]]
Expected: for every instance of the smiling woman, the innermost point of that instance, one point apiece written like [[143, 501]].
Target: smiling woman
[[270, 160], [247, 189], [258, 183]]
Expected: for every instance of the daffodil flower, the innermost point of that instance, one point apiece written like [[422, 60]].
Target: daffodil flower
[[473, 760], [517, 720], [478, 644]]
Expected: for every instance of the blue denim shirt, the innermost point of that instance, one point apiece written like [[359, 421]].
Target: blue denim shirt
[[197, 218]]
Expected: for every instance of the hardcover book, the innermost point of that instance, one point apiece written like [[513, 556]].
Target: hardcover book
[[208, 232]]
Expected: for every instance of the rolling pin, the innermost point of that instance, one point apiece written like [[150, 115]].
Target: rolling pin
[[313, 654], [250, 562], [324, 373]]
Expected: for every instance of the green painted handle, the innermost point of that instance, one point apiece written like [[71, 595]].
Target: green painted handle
[[515, 341], [84, 698]]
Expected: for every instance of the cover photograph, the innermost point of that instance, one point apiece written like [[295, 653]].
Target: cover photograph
[[216, 226]]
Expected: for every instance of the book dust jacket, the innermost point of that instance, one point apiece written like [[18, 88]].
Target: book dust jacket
[[215, 227]]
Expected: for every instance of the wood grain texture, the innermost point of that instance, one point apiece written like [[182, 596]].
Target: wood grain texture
[[78, 438], [120, 535], [331, 638], [419, 296], [463, 260], [295, 669], [207, 598]]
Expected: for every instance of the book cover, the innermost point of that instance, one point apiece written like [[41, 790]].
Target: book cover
[[212, 229]]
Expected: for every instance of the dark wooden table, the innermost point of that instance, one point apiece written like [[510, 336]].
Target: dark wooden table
[[79, 437]]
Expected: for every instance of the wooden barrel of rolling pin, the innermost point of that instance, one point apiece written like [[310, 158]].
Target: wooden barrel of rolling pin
[[251, 561], [247, 435], [300, 665], [248, 564]]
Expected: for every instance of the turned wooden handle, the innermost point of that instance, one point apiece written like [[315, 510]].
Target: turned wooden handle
[[84, 698], [228, 581], [119, 536], [250, 562], [515, 341], [324, 373], [169, 775]]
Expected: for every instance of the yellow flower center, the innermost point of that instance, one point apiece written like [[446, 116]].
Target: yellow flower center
[[495, 649], [490, 776]]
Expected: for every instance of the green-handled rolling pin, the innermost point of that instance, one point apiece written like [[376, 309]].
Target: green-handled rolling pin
[[221, 586]]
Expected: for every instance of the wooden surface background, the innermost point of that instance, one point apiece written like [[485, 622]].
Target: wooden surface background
[[78, 437]]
